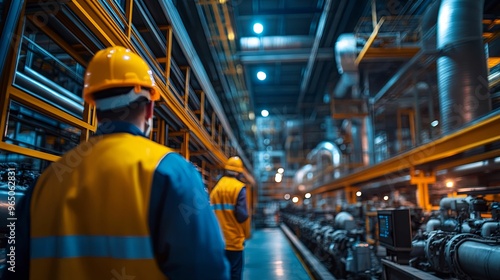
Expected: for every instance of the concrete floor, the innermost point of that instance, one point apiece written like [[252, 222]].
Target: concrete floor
[[269, 255]]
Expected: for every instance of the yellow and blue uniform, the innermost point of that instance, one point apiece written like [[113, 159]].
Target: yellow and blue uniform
[[228, 200], [120, 206]]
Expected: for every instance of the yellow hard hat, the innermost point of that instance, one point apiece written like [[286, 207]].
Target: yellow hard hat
[[234, 164], [115, 67]]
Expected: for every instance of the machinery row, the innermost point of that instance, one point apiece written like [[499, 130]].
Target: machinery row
[[461, 240]]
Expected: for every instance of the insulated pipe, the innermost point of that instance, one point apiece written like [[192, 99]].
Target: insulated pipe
[[462, 80], [49, 94], [52, 85], [357, 137], [432, 224], [489, 227], [345, 53], [331, 151], [478, 260]]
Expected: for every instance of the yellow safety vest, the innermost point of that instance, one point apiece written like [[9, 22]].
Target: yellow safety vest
[[223, 198], [89, 212]]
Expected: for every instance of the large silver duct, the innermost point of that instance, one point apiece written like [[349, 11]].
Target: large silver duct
[[345, 53], [324, 155], [360, 132], [462, 79]]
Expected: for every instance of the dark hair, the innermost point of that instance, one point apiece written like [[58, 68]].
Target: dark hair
[[126, 113]]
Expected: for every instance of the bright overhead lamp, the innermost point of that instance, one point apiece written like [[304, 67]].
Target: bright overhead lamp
[[258, 28], [261, 75], [264, 113]]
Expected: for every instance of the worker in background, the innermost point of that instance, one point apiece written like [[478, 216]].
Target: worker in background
[[120, 206], [229, 201]]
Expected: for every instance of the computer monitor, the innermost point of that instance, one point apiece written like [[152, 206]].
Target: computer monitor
[[395, 229]]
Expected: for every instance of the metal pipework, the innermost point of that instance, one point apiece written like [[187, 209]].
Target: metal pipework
[[49, 94], [489, 227], [432, 225], [462, 79], [472, 258]]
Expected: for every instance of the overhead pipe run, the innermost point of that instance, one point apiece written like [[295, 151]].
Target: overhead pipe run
[[57, 98], [325, 155], [462, 71], [346, 52]]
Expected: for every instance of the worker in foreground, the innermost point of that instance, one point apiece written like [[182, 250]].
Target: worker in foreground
[[229, 201], [119, 206]]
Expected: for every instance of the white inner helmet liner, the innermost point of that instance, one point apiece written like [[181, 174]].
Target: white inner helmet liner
[[122, 100]]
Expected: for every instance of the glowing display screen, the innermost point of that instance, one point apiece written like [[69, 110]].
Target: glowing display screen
[[384, 225]]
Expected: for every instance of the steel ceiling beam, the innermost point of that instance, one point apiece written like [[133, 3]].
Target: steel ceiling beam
[[182, 36], [314, 50], [285, 56]]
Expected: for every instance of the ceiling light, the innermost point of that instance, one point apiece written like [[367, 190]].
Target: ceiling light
[[307, 195], [261, 75], [358, 193], [449, 184], [295, 199], [287, 196], [278, 177], [230, 36], [258, 28], [251, 116], [281, 170], [264, 113], [435, 123], [386, 197]]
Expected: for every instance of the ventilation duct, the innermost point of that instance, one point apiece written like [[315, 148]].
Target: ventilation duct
[[325, 156], [301, 174], [462, 79], [360, 133], [345, 53]]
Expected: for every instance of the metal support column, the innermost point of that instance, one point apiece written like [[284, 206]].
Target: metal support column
[[350, 194], [419, 178]]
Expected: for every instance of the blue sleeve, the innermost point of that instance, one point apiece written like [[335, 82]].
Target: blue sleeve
[[240, 210], [19, 269], [187, 239]]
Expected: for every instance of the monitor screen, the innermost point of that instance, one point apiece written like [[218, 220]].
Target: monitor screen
[[385, 229]]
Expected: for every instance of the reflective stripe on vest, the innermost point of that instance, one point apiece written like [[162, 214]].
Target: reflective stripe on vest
[[89, 211], [223, 198], [223, 206], [120, 247]]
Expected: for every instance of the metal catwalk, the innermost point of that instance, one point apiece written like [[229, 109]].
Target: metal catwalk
[[269, 255]]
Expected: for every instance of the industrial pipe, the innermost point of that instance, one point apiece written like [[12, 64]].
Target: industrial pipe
[[49, 94], [475, 259], [462, 80]]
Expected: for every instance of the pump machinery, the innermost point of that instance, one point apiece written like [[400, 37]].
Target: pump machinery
[[460, 241]]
